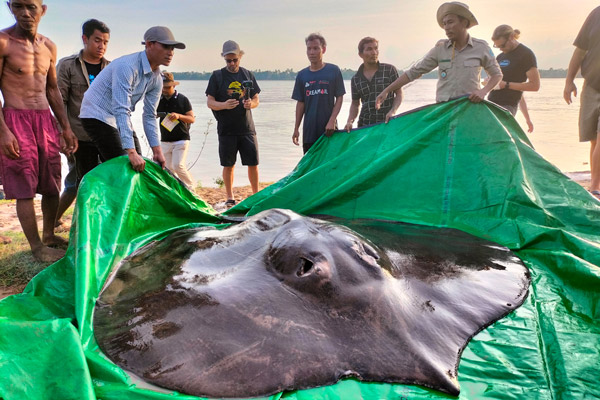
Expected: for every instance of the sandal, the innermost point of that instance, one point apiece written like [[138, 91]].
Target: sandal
[[596, 194], [230, 203]]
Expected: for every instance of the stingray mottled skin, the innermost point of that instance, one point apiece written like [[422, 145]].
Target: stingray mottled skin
[[283, 302]]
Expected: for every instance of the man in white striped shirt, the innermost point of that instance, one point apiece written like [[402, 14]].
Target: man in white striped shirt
[[107, 105]]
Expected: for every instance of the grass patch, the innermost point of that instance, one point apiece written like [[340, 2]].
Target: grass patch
[[17, 265], [68, 212]]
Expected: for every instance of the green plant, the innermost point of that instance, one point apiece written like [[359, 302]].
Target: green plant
[[219, 182]]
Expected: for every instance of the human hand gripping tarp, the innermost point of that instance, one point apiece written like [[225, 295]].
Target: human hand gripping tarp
[[457, 164]]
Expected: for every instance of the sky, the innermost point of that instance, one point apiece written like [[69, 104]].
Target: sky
[[272, 32]]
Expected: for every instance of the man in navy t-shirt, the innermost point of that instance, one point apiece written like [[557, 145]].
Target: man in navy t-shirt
[[319, 92]]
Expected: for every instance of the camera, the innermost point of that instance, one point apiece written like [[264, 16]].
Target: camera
[[235, 95], [248, 86]]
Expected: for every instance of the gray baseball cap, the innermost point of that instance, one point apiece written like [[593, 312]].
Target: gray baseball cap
[[162, 34], [231, 47]]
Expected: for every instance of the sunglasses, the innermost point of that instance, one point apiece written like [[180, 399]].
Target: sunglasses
[[231, 60], [501, 46]]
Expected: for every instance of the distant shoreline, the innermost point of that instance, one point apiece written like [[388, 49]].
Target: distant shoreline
[[290, 75]]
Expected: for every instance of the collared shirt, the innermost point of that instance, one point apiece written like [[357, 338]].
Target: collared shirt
[[367, 91], [114, 93], [459, 71], [179, 104], [73, 81]]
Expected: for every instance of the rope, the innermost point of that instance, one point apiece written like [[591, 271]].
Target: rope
[[208, 124]]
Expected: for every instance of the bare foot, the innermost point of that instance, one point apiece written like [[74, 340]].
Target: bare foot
[[55, 241], [62, 226], [48, 254], [5, 239]]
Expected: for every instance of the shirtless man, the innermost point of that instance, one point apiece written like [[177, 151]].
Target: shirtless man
[[29, 139]]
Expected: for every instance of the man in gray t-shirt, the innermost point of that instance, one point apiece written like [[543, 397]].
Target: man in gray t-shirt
[[587, 58]]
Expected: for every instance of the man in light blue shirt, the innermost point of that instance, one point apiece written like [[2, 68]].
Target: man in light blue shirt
[[107, 105]]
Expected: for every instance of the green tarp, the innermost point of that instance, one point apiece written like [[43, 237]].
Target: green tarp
[[456, 164]]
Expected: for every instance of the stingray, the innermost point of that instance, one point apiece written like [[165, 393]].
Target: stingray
[[285, 302]]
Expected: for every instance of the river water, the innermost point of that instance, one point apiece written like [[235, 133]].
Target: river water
[[555, 135]]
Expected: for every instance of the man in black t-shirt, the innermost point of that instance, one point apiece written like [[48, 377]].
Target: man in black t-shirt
[[515, 65], [75, 74], [519, 70], [232, 93], [175, 140]]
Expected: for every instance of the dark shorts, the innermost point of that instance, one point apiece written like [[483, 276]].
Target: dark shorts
[[229, 146], [37, 170], [107, 139], [511, 109]]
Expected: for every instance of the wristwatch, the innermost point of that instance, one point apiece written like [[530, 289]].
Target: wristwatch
[[507, 85]]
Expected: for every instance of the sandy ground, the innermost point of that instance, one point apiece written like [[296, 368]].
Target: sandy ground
[[216, 197], [7, 291]]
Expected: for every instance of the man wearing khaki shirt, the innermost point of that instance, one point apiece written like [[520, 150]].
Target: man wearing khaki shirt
[[459, 59]]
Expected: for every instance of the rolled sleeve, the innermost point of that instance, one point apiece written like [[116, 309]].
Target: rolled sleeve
[[122, 87], [490, 64], [151, 100], [425, 65]]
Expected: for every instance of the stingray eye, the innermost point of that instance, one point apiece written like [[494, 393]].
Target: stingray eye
[[370, 251], [305, 267], [363, 249]]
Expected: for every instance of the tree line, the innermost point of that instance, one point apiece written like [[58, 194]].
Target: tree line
[[275, 75], [290, 75]]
